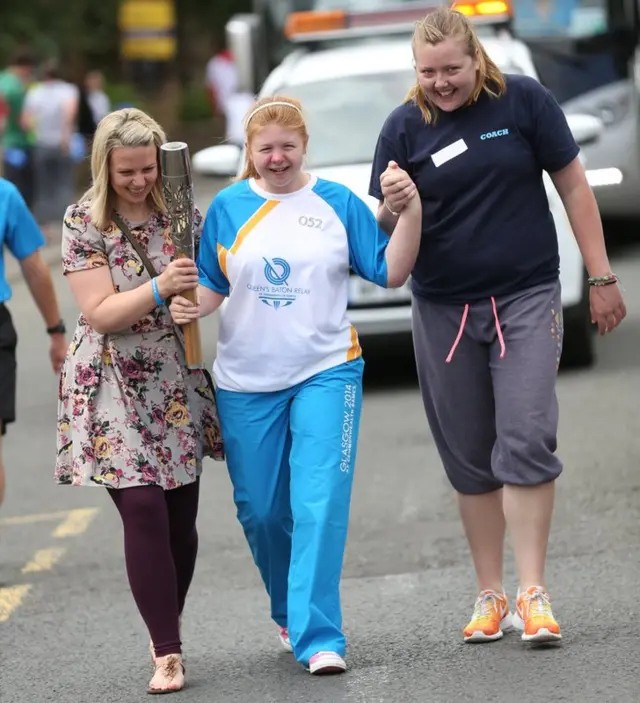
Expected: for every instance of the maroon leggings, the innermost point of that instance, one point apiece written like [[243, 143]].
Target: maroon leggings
[[160, 547]]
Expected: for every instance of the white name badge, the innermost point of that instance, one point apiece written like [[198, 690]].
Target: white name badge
[[449, 152]]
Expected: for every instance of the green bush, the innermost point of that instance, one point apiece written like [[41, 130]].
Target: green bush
[[194, 104], [124, 94]]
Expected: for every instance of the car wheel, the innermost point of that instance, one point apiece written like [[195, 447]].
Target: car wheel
[[578, 348]]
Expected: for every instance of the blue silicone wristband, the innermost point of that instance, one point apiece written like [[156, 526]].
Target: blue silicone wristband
[[156, 293]]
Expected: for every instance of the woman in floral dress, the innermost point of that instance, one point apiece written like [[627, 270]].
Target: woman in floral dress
[[131, 415]]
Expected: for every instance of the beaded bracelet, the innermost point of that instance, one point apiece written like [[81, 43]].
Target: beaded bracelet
[[156, 292], [607, 280]]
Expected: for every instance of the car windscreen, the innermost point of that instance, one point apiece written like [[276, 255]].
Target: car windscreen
[[344, 115]]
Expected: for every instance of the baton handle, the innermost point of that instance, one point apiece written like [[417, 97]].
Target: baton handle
[[192, 340]]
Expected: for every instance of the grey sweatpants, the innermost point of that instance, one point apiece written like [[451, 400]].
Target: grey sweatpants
[[491, 398]]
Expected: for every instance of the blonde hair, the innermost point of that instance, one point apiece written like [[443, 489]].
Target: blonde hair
[[128, 128], [445, 23], [278, 109]]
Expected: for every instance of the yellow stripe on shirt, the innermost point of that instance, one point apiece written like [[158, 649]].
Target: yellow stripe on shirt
[[222, 260], [354, 350], [252, 223]]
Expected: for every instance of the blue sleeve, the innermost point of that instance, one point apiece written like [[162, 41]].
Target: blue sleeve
[[22, 236], [211, 274], [551, 138], [390, 146], [367, 242]]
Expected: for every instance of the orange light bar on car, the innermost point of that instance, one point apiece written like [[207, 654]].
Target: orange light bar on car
[[308, 22], [317, 24], [483, 8], [339, 21]]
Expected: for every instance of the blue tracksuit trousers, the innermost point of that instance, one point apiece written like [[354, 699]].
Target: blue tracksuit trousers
[[291, 456]]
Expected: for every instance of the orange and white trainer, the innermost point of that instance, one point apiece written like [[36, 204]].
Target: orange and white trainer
[[491, 617], [534, 617]]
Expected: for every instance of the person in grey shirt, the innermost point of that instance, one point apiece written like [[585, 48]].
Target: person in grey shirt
[[50, 109]]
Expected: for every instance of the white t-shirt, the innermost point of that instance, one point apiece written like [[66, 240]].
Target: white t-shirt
[[99, 104], [284, 261], [222, 76], [48, 103]]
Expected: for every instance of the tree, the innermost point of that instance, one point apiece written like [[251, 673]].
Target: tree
[[83, 34]]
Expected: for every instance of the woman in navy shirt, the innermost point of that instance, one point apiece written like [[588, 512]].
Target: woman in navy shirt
[[487, 308]]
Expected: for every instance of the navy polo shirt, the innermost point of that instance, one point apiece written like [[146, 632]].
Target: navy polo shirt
[[487, 229], [19, 231]]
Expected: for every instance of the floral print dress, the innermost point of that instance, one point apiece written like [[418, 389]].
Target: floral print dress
[[130, 413]]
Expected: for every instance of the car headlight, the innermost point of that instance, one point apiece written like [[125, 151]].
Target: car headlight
[[610, 110]]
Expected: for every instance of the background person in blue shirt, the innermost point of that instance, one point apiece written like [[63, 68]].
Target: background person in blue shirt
[[20, 234], [487, 309]]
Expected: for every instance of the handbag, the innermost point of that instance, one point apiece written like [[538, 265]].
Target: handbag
[[153, 273]]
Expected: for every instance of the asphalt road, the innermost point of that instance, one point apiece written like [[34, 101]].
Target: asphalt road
[[69, 631]]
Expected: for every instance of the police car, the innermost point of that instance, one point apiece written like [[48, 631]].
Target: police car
[[347, 90]]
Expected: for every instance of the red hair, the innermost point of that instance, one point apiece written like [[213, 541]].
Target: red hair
[[281, 110]]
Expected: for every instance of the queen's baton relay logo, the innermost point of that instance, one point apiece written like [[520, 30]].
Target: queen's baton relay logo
[[279, 293], [277, 272]]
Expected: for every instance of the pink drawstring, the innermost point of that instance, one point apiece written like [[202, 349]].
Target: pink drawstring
[[463, 323], [503, 348]]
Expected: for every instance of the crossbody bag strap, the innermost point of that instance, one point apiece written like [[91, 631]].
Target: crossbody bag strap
[[152, 272], [145, 260], [135, 244]]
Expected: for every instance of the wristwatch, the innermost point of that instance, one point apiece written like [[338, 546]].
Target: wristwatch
[[57, 329]]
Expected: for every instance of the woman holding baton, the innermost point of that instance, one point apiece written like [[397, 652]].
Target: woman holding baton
[[132, 418]]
